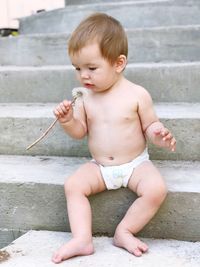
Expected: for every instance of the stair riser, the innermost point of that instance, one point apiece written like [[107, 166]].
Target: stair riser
[[79, 2], [137, 15], [175, 83], [7, 236], [150, 45], [31, 206], [17, 134]]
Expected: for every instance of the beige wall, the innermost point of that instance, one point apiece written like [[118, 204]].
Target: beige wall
[[10, 10]]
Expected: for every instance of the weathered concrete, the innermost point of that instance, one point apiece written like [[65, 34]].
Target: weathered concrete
[[32, 197], [36, 84], [145, 45], [35, 249], [175, 82], [138, 14], [7, 236], [78, 2], [27, 122]]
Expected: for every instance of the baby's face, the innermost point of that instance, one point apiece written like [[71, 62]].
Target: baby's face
[[93, 71]]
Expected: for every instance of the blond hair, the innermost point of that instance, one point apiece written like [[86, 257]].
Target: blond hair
[[103, 29]]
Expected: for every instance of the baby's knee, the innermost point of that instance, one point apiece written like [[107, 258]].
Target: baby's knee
[[158, 195], [162, 193], [74, 186]]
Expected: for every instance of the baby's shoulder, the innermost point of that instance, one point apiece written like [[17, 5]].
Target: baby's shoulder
[[138, 91]]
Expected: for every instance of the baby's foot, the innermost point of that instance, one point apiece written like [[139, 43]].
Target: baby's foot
[[129, 242], [75, 247]]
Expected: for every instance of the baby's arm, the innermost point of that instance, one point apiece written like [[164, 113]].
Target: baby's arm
[[153, 129], [73, 120]]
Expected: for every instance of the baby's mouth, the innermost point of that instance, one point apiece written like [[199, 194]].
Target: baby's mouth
[[88, 85]]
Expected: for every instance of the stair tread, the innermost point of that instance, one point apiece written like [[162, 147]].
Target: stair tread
[[57, 35], [161, 44], [80, 2], [186, 27], [152, 12], [35, 248], [120, 3], [181, 176], [160, 79], [45, 110], [69, 66]]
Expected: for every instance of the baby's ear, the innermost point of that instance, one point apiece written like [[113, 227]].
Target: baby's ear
[[121, 63]]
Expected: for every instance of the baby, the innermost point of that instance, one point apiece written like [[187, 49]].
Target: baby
[[118, 117]]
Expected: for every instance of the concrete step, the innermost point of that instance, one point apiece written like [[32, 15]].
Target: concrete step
[[167, 82], [82, 2], [79, 2], [32, 197], [7, 236], [35, 249], [138, 14], [21, 124], [180, 43]]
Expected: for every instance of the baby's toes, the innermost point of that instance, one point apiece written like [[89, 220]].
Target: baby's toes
[[143, 247], [56, 258], [137, 252]]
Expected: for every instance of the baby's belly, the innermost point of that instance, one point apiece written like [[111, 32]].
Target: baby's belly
[[116, 151]]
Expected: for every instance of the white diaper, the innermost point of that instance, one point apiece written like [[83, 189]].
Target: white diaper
[[118, 176]]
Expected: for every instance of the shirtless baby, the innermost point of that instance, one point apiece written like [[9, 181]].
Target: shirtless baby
[[118, 117]]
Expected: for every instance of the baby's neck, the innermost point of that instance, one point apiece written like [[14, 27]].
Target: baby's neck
[[118, 82]]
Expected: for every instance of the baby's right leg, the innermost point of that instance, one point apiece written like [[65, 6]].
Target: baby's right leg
[[85, 181]]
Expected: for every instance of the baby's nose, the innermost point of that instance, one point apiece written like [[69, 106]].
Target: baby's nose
[[84, 74]]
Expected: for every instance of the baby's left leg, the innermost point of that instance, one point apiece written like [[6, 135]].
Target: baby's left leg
[[148, 184]]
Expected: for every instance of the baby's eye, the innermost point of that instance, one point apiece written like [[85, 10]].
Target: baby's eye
[[78, 69], [92, 68]]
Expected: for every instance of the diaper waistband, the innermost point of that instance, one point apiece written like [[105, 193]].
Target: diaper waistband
[[142, 157]]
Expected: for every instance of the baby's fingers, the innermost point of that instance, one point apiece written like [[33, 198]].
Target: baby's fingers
[[62, 109], [169, 139], [170, 142], [173, 144], [167, 136], [66, 105]]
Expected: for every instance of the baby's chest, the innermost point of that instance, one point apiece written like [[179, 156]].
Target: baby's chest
[[113, 113]]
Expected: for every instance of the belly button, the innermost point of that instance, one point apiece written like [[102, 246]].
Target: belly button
[[111, 158]]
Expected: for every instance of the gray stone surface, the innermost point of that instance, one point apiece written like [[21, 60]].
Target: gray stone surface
[[175, 82], [78, 2], [27, 122], [138, 14], [7, 236], [32, 197], [35, 249], [169, 44]]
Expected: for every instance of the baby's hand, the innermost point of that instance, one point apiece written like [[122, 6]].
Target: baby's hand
[[64, 111], [167, 138]]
